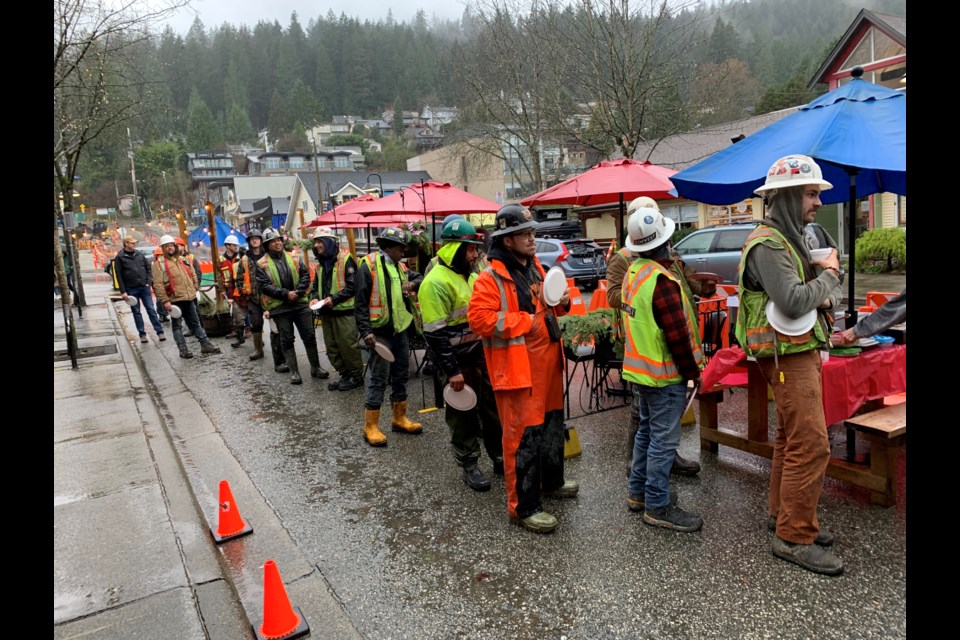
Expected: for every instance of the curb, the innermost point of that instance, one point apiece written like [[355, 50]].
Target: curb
[[204, 461]]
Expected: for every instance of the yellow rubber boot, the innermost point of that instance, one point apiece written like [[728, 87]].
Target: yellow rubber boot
[[371, 432], [400, 421]]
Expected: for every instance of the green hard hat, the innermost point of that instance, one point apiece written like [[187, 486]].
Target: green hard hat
[[460, 231]]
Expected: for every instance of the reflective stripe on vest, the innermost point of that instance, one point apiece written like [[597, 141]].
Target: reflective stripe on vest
[[266, 263], [754, 332], [498, 341], [339, 282], [247, 286], [379, 314], [459, 290], [647, 359]]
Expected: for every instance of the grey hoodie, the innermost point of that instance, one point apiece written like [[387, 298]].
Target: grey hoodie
[[773, 270]]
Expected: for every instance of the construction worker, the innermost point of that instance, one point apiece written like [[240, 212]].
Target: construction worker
[[334, 284], [384, 312], [228, 268], [524, 355], [175, 284], [161, 312], [776, 266], [444, 297], [283, 280], [183, 250], [617, 267], [247, 279], [661, 353]]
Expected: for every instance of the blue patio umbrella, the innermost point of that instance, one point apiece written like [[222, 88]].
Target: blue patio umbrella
[[857, 133]]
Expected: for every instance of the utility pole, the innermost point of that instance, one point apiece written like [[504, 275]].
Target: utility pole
[[133, 172]]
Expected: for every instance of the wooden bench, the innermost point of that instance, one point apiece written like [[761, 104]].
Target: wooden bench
[[886, 431]]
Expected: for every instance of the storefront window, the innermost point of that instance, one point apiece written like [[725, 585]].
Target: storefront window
[[730, 214]]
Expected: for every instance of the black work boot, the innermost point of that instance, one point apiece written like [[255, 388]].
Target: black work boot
[[279, 362], [316, 371], [240, 339], [350, 382], [291, 358], [333, 386], [498, 466], [683, 467], [475, 478]]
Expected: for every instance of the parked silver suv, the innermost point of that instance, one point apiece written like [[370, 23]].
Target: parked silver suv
[[716, 249]]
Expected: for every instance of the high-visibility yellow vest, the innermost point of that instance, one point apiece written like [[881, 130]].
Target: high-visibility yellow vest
[[266, 263], [646, 356], [339, 280], [754, 332], [379, 313]]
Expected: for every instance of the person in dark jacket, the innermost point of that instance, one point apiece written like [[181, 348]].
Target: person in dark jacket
[[335, 285], [284, 280], [135, 278], [444, 299]]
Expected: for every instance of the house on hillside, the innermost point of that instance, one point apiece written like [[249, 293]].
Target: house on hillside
[[261, 201], [874, 41]]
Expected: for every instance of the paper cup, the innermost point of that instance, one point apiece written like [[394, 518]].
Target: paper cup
[[820, 254]]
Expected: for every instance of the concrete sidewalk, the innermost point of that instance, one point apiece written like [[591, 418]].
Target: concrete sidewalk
[[132, 555], [137, 467]]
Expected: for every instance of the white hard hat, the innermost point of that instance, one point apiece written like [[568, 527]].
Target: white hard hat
[[794, 170], [324, 232], [643, 202], [647, 229], [231, 239], [167, 239]]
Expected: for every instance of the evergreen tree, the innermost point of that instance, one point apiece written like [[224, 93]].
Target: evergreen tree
[[202, 131], [239, 129], [397, 120], [302, 105], [278, 121]]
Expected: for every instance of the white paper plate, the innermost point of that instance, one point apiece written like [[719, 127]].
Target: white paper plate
[[132, 301], [175, 312], [383, 351], [273, 326], [554, 284], [464, 400], [790, 326], [318, 304]]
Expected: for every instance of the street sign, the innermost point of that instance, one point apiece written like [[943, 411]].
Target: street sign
[[102, 211], [111, 210]]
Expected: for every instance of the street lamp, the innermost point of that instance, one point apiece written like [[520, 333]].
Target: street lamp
[[379, 179]]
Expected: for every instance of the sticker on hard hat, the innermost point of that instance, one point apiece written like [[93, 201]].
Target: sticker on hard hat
[[648, 219]]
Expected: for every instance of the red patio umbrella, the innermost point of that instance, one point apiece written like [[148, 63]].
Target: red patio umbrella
[[341, 213], [437, 199], [611, 181], [606, 183]]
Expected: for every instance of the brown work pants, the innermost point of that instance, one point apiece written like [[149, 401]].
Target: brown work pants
[[801, 449]]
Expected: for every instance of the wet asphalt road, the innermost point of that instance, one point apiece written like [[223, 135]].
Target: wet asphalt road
[[411, 552]]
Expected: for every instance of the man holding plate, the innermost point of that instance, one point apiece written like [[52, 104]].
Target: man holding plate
[[384, 313], [332, 295], [521, 344], [778, 286], [444, 298]]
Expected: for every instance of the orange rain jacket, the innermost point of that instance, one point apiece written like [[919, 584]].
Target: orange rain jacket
[[512, 341]]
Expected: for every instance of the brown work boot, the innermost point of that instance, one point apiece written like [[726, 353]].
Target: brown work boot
[[809, 556], [257, 347], [400, 420], [371, 432]]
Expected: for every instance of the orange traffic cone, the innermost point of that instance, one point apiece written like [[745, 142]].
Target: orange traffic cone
[[230, 524], [280, 618]]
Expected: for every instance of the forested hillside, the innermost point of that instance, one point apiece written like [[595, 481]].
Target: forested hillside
[[215, 86]]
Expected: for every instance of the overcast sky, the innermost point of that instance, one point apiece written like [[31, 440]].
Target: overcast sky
[[213, 13]]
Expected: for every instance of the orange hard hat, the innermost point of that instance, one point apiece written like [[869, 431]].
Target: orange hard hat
[[180, 240], [158, 251]]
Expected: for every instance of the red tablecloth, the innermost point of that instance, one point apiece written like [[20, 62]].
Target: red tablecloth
[[847, 382]]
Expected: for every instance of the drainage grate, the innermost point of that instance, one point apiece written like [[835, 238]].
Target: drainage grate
[[85, 352]]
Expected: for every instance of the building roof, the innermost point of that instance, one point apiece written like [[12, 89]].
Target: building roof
[[334, 181], [257, 187], [681, 150], [893, 26]]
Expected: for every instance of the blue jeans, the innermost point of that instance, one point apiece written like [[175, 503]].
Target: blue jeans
[[192, 318], [144, 295], [396, 372], [656, 442]]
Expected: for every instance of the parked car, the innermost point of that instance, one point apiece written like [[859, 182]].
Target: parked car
[[716, 249], [147, 251], [581, 259], [560, 229]]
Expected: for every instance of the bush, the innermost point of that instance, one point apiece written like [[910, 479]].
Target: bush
[[881, 250]]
